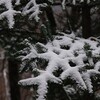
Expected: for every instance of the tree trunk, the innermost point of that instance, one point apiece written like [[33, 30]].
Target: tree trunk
[[50, 16], [13, 78], [86, 21]]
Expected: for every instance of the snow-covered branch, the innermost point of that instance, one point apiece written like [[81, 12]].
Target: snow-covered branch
[[69, 55], [31, 8], [10, 13]]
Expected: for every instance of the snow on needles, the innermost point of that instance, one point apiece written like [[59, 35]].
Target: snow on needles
[[71, 55], [31, 8], [34, 10], [41, 81], [10, 13]]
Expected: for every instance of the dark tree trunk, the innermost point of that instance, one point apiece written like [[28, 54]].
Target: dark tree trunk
[[50, 16], [74, 17], [86, 21], [13, 78]]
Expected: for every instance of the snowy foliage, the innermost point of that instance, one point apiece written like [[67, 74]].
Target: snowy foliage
[[17, 2], [31, 8], [79, 60], [34, 10], [9, 13]]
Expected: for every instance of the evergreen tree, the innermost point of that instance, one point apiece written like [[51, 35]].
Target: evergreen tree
[[62, 66]]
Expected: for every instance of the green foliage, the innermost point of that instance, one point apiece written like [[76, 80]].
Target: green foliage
[[87, 50], [46, 30], [63, 52]]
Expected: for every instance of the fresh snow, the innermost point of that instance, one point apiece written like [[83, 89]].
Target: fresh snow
[[58, 57], [31, 8], [9, 13]]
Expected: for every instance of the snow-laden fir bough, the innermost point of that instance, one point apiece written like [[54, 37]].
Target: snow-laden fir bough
[[58, 54]]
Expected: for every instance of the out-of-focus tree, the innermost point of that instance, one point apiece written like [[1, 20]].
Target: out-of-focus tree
[[83, 8]]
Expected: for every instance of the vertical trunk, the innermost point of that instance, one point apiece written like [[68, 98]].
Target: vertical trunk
[[13, 78], [4, 82], [50, 16], [86, 21], [74, 17]]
